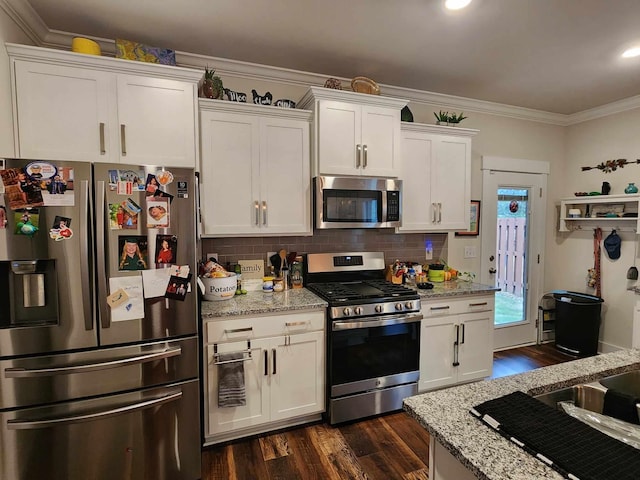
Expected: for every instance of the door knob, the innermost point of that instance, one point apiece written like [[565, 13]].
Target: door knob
[[492, 258], [492, 270]]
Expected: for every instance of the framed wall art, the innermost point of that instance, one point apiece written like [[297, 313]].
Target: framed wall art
[[474, 221]]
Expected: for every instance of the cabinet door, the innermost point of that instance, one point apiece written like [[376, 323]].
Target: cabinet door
[[156, 121], [476, 346], [297, 380], [451, 182], [338, 134], [380, 141], [285, 181], [414, 168], [437, 337], [63, 112], [256, 410], [230, 174]]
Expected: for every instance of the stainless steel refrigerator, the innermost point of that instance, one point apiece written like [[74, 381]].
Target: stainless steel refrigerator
[[98, 322]]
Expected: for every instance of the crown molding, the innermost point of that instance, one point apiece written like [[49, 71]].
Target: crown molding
[[438, 129], [270, 111], [28, 20]]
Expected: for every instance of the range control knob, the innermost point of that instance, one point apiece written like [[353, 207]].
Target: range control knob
[[358, 310], [346, 312], [409, 305], [399, 306], [378, 308]]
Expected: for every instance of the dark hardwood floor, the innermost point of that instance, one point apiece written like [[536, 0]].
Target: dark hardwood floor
[[388, 447]]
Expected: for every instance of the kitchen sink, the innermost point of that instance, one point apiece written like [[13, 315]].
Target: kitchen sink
[[590, 396]]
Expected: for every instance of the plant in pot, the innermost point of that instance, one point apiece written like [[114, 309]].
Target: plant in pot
[[441, 117], [212, 85], [456, 119]]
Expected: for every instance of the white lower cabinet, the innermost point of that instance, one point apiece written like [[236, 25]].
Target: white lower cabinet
[[456, 341], [284, 374]]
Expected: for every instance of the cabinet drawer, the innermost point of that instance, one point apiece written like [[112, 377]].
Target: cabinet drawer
[[456, 306], [264, 326]]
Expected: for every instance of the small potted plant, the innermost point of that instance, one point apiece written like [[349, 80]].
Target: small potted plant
[[212, 85], [442, 118], [456, 119]]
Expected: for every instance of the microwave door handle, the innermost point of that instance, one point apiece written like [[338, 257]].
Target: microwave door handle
[[358, 154], [105, 319], [85, 221]]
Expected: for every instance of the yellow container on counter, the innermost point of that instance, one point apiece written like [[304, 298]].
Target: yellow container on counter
[[436, 275]]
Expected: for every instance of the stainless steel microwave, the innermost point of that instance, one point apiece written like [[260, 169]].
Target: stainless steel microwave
[[357, 202]]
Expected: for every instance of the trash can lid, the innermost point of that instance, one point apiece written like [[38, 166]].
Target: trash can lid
[[576, 298]]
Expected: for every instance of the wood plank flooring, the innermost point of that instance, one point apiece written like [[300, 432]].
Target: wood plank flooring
[[392, 446]]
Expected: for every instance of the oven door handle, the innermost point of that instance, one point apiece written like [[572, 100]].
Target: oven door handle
[[376, 321]]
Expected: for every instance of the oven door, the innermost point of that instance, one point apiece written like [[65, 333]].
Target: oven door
[[373, 353]]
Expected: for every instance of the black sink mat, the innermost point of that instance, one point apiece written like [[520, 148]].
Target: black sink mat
[[570, 446]]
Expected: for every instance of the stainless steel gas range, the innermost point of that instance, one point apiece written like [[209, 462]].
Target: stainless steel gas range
[[373, 335]]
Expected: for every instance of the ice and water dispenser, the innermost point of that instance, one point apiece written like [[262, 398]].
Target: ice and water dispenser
[[28, 293]]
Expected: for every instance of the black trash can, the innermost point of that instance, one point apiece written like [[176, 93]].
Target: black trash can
[[577, 322]]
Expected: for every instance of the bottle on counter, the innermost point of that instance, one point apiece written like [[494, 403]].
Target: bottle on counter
[[238, 272]]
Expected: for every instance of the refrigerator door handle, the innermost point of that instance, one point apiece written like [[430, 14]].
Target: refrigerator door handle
[[105, 319], [112, 412], [85, 221], [92, 366]]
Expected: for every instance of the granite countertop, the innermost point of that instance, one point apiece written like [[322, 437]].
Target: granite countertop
[[258, 302], [445, 414], [454, 288]]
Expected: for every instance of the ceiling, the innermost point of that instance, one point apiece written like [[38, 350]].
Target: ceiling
[[559, 56]]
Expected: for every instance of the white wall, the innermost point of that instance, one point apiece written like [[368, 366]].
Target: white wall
[[9, 32], [588, 144]]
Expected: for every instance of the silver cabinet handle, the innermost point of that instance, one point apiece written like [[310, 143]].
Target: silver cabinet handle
[[102, 149], [296, 324], [433, 213], [264, 213], [462, 341], [446, 307], [257, 208], [364, 154], [358, 154], [91, 367], [439, 212], [34, 424], [123, 140], [238, 330]]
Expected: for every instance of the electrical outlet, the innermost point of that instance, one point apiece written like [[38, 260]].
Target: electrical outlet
[[214, 255], [470, 252], [428, 251]]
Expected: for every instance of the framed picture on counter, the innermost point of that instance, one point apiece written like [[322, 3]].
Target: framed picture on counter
[[474, 221]]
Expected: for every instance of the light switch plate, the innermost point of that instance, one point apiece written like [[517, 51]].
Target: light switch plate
[[470, 252]]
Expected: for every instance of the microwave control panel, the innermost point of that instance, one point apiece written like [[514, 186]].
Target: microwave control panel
[[393, 206]]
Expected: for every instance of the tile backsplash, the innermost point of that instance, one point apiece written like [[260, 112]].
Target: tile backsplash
[[404, 247]]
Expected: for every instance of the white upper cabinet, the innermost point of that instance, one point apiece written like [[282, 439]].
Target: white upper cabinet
[[435, 167], [255, 170], [82, 107], [354, 133]]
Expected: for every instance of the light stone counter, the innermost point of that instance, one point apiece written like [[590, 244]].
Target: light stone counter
[[455, 288], [257, 302], [486, 454]]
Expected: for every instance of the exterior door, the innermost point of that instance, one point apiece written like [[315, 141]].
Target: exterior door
[[512, 246]]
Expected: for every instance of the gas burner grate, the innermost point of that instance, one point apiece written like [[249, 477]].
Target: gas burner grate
[[361, 290]]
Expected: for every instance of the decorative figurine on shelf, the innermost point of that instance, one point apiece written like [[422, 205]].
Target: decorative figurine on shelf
[[235, 96], [212, 85], [334, 83], [631, 188], [284, 103], [262, 99], [606, 188]]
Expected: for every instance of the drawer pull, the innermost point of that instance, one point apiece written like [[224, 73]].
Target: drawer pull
[[238, 330], [482, 304], [446, 307], [296, 324]]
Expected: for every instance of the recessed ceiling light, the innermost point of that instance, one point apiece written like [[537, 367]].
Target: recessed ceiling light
[[456, 4], [631, 52]]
